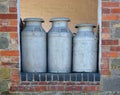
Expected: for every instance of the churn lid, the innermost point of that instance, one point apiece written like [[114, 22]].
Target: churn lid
[[85, 25], [33, 19], [59, 19]]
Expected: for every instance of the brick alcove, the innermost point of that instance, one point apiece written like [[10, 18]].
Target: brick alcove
[[40, 82], [45, 82], [104, 82]]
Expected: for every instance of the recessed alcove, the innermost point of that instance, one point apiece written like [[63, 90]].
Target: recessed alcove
[[79, 11]]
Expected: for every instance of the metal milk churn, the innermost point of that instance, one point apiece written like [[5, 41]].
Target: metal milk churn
[[59, 46], [33, 46], [85, 49]]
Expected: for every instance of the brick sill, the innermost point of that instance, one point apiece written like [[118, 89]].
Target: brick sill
[[37, 82], [92, 77]]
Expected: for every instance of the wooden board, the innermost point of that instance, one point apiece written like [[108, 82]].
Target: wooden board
[[79, 11]]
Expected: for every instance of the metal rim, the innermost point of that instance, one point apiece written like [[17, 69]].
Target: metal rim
[[33, 19], [85, 25], [59, 19]]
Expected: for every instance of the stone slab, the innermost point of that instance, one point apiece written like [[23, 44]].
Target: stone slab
[[3, 0], [115, 67], [3, 8], [111, 83], [115, 28], [3, 86], [110, 93], [4, 42]]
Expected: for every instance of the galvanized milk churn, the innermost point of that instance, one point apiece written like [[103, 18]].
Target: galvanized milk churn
[[59, 46], [85, 49], [33, 46]]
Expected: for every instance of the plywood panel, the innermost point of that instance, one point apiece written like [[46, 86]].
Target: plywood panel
[[79, 11]]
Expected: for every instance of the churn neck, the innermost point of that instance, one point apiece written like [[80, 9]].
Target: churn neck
[[60, 22], [85, 27], [33, 21]]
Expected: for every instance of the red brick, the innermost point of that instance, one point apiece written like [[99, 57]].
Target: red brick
[[9, 59], [13, 35], [110, 17], [13, 22], [43, 83], [110, 42], [105, 36], [105, 11], [60, 88], [115, 48], [15, 72], [8, 29], [110, 4], [12, 9], [15, 78], [73, 88], [105, 66], [110, 54], [105, 23], [8, 16], [52, 88], [6, 64], [9, 53], [61, 83], [68, 88], [85, 88], [13, 88], [77, 88], [10, 65], [119, 17], [92, 88], [15, 59], [21, 88], [104, 30], [40, 88], [25, 83], [52, 83], [105, 60], [82, 83], [70, 83], [116, 10], [105, 72]]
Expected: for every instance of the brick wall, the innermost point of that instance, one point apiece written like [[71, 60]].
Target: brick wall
[[9, 54], [110, 70], [12, 82]]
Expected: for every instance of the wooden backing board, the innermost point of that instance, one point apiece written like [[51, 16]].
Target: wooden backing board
[[79, 11]]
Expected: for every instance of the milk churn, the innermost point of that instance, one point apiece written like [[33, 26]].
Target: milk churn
[[33, 46], [59, 46], [85, 49]]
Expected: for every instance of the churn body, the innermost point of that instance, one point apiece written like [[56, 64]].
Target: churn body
[[33, 46], [85, 49], [59, 46]]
